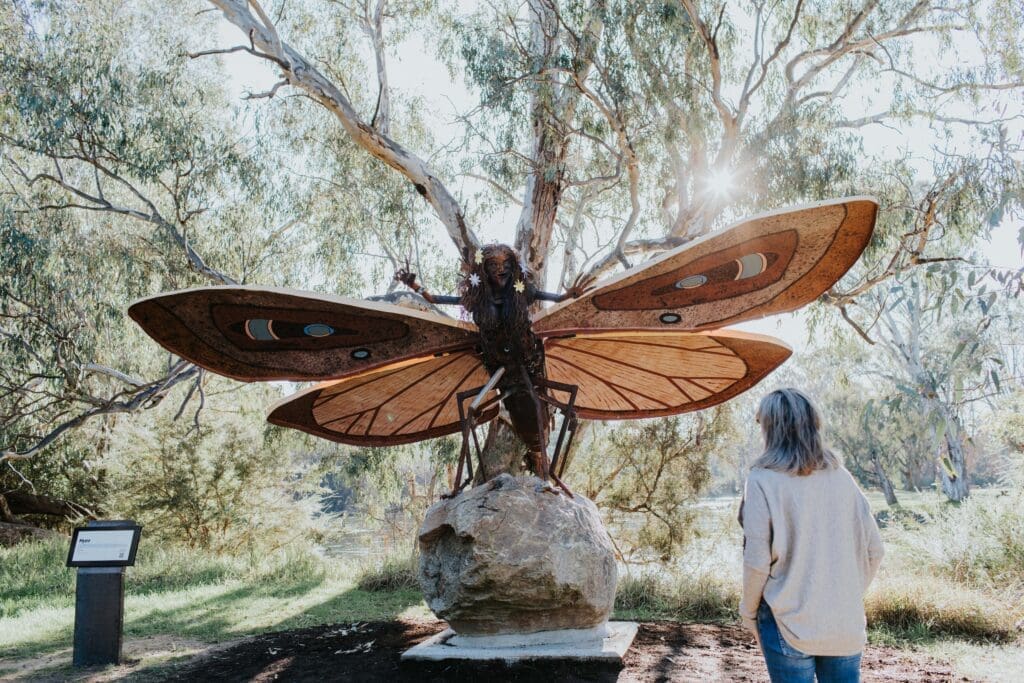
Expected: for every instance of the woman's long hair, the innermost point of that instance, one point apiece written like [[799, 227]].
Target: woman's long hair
[[792, 434]]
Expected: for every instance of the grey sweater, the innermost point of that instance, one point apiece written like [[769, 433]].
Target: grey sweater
[[811, 547]]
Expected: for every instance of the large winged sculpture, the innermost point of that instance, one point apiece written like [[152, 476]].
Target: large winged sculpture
[[645, 343]]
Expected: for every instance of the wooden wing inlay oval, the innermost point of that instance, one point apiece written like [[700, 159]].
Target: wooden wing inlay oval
[[650, 374], [771, 263], [260, 333]]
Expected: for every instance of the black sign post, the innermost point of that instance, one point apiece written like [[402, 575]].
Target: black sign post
[[101, 550]]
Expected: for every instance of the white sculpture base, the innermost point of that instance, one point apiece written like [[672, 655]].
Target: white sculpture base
[[605, 643]]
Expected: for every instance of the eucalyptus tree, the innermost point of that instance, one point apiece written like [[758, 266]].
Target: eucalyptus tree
[[126, 169], [620, 129], [614, 130], [879, 440], [933, 330]]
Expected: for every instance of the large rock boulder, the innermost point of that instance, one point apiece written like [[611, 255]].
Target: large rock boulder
[[510, 556]]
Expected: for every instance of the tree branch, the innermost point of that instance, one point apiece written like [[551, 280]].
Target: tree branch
[[140, 397], [550, 106], [97, 202], [301, 74]]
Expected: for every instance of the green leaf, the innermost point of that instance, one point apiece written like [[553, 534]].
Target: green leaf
[[907, 390], [947, 465], [959, 349]]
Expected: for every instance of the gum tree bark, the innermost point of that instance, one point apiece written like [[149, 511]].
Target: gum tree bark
[[883, 480]]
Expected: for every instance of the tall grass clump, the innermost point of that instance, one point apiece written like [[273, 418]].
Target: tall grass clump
[[32, 574], [296, 564], [392, 574], [979, 543], [665, 595], [921, 608], [161, 568]]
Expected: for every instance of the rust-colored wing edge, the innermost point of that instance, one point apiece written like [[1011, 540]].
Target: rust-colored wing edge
[[860, 243], [846, 242]]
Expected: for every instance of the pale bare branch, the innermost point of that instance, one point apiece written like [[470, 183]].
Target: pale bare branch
[[303, 75], [139, 397]]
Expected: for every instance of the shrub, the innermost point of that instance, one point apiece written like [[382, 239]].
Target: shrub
[[980, 542]]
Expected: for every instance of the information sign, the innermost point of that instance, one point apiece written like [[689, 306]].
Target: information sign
[[106, 546]]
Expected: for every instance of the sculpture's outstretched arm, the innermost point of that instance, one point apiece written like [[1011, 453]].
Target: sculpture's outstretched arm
[[581, 285], [549, 296], [409, 280], [439, 298]]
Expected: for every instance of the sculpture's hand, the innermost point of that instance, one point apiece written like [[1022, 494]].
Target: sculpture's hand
[[583, 284], [406, 277]]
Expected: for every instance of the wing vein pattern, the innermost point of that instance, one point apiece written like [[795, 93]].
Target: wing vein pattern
[[387, 406], [628, 375]]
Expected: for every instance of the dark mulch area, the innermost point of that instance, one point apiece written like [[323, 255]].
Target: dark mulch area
[[662, 651]]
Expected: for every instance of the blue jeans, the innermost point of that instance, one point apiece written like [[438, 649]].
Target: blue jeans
[[786, 664]]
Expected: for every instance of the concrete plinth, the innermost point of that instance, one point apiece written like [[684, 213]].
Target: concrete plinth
[[605, 643]]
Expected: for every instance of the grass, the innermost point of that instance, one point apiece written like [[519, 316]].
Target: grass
[[952, 585], [951, 571], [190, 594], [900, 611], [921, 608], [680, 598]]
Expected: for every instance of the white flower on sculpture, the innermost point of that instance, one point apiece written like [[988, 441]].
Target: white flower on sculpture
[[479, 257], [474, 280], [519, 286]]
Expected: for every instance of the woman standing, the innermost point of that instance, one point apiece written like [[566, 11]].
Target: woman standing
[[810, 549]]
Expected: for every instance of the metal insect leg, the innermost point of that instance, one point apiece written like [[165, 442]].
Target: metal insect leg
[[568, 412], [573, 424], [542, 468], [467, 420], [569, 424]]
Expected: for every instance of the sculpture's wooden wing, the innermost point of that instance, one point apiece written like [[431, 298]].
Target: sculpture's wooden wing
[[260, 333], [771, 263], [629, 375], [398, 403]]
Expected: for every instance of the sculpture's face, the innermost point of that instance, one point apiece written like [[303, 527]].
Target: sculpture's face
[[499, 269]]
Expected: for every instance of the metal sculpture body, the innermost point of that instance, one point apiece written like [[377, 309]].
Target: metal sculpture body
[[645, 343], [497, 292]]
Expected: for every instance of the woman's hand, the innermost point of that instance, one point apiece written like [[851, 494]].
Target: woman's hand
[[751, 626]]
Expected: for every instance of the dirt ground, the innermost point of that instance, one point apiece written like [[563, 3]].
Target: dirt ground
[[662, 651]]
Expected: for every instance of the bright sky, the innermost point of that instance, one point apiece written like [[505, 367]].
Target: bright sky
[[413, 70]]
